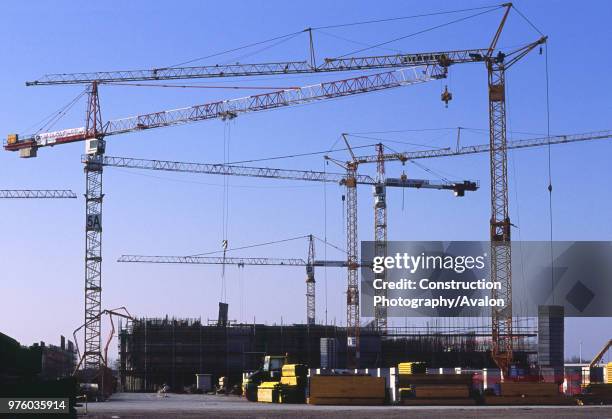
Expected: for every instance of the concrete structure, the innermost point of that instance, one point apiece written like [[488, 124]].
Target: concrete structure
[[550, 342]]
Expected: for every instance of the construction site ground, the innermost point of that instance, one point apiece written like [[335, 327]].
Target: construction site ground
[[147, 405]]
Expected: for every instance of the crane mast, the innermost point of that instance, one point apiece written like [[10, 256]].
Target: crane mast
[[310, 283], [501, 254], [92, 354], [352, 286], [380, 233]]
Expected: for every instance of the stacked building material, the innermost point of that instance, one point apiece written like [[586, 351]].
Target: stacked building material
[[268, 392], [442, 392], [597, 394], [411, 368], [609, 373], [528, 393], [435, 389], [404, 368], [293, 382], [524, 389], [362, 390]]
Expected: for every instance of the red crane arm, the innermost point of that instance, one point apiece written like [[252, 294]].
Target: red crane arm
[[233, 107]]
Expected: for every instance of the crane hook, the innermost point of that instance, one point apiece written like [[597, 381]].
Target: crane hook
[[446, 96]]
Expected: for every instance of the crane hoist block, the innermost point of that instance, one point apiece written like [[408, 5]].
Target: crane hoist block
[[28, 152], [497, 92]]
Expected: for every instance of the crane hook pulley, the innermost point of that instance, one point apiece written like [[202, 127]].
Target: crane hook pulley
[[446, 96]]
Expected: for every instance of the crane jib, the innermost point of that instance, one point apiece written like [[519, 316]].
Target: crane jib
[[229, 109], [443, 58]]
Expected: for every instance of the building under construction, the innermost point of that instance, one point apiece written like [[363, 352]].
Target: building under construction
[[158, 351]]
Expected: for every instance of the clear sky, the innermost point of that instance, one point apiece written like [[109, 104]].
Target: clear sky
[[42, 246]]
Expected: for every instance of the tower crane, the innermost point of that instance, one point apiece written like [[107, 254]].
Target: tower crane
[[380, 226], [413, 68]]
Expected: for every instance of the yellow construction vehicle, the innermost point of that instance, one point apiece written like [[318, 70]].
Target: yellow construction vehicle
[[269, 371], [598, 391], [600, 377]]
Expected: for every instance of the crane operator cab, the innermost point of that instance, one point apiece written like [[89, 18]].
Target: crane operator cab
[[460, 188], [379, 196]]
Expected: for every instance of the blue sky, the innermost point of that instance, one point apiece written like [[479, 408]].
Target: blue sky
[[41, 253]]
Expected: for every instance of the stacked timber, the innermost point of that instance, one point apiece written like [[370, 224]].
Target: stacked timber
[[361, 390], [411, 368], [435, 389], [528, 393], [293, 382], [609, 373]]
